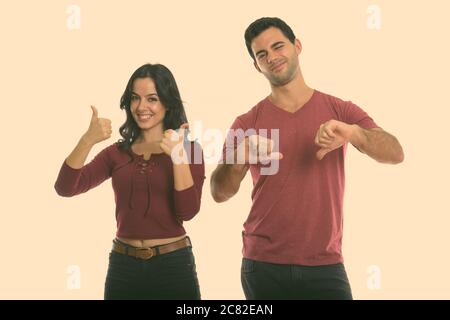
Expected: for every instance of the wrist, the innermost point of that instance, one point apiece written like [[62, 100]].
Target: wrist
[[86, 142], [356, 137], [179, 157]]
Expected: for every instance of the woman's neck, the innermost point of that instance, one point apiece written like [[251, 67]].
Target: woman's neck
[[151, 135]]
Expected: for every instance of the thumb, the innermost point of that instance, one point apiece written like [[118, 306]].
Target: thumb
[[321, 153], [276, 155], [273, 156], [182, 130], [94, 112]]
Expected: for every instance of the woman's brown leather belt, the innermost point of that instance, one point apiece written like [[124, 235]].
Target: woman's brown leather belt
[[147, 253]]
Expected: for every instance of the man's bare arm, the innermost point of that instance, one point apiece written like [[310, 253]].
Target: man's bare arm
[[226, 180], [377, 144]]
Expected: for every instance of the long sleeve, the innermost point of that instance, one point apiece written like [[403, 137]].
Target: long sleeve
[[71, 182], [187, 202]]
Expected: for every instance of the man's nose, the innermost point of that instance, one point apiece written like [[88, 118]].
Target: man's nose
[[271, 56]]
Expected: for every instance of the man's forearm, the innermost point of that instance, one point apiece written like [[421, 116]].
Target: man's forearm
[[226, 180], [377, 144]]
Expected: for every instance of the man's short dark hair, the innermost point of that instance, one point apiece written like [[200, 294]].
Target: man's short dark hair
[[262, 24]]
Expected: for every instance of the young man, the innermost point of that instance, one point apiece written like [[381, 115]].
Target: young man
[[293, 234]]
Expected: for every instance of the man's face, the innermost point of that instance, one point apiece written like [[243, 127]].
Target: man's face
[[276, 57]]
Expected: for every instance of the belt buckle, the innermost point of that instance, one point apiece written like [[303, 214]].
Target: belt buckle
[[144, 253]]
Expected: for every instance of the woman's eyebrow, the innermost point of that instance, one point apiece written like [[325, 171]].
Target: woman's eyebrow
[[148, 95]]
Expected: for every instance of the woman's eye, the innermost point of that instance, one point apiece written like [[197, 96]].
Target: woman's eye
[[134, 98], [152, 100]]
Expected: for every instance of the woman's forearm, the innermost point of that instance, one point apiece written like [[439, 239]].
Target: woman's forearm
[[78, 156]]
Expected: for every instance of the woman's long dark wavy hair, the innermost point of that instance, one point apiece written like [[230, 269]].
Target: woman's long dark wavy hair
[[168, 93]]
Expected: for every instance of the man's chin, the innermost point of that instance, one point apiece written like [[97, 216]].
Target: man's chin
[[279, 82]]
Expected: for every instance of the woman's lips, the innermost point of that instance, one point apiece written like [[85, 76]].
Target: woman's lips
[[144, 117]]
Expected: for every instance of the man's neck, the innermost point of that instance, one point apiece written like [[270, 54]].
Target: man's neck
[[292, 95]]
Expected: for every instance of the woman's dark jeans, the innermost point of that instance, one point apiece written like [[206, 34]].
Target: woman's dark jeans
[[168, 276]]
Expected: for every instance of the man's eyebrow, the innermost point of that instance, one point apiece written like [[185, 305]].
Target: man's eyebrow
[[260, 51], [272, 46], [277, 43]]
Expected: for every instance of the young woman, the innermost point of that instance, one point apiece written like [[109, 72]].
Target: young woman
[[157, 177]]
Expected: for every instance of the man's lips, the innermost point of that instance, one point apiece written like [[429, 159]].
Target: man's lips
[[277, 66]]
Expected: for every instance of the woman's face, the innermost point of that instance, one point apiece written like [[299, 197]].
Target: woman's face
[[146, 108]]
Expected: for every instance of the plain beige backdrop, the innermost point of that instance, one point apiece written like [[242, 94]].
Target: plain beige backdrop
[[396, 217]]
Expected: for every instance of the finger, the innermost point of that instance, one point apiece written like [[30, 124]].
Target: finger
[[168, 133], [269, 145], [316, 138], [329, 132], [176, 135], [274, 156], [321, 153], [324, 145], [105, 126], [104, 122], [264, 145], [184, 125], [182, 130], [321, 129], [325, 140], [253, 143], [94, 112], [164, 147], [325, 134]]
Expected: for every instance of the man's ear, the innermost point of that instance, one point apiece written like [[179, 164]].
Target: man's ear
[[298, 46], [256, 66]]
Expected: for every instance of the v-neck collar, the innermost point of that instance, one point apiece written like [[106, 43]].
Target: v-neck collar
[[307, 103], [142, 155]]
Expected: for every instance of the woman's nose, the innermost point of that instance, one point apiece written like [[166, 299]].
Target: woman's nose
[[143, 104]]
